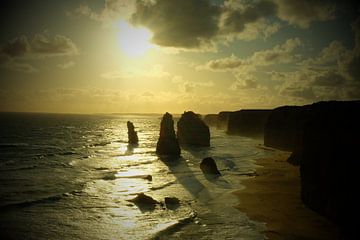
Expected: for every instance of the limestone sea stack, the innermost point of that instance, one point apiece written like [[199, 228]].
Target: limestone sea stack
[[168, 143], [192, 131], [132, 134]]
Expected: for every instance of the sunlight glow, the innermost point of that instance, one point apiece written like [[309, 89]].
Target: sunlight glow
[[134, 42]]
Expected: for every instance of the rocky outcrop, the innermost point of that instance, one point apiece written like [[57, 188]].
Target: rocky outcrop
[[211, 120], [144, 202], [223, 118], [171, 202], [168, 143], [132, 134], [192, 131], [208, 166], [248, 122], [328, 165]]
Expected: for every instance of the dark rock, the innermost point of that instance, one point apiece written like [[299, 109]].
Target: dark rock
[[148, 177], [223, 118], [295, 158], [211, 120], [132, 134], [172, 202], [144, 202], [168, 143], [329, 160], [248, 122], [208, 166], [192, 131]]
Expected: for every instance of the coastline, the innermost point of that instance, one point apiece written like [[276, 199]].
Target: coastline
[[273, 197]]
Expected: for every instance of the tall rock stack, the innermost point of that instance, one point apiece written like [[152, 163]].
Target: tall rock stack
[[132, 134], [192, 131], [168, 143]]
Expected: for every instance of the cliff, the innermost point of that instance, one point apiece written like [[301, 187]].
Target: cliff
[[328, 166], [222, 121], [324, 139], [249, 122]]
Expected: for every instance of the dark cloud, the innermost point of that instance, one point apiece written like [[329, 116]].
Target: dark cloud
[[302, 13], [40, 46], [17, 47], [58, 45], [185, 23], [237, 16], [15, 52], [330, 78]]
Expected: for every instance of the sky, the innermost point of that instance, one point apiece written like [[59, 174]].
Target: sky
[[152, 56]]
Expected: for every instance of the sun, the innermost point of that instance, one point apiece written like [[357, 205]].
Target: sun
[[134, 42]]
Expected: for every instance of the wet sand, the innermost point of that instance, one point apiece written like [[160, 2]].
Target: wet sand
[[273, 197]]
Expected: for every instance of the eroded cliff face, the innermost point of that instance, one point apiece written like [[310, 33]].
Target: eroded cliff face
[[168, 143], [324, 139], [223, 118], [192, 131], [330, 146], [248, 122], [284, 127]]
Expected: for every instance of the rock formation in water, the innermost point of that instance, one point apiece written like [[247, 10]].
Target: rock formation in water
[[223, 118], [208, 166], [168, 143], [192, 131], [248, 122], [132, 134], [144, 202], [171, 202]]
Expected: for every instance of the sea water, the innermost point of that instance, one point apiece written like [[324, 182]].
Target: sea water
[[72, 176]]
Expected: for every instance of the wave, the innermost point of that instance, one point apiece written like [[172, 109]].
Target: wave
[[29, 203], [164, 229], [13, 145], [154, 188]]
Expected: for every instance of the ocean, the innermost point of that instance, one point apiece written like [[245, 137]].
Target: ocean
[[66, 176]]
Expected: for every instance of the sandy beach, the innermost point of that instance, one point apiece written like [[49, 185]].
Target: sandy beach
[[273, 197]]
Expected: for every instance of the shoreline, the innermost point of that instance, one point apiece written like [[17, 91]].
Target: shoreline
[[273, 197]]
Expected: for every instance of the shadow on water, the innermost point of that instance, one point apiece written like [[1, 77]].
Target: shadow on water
[[203, 152], [218, 180], [184, 175], [130, 148]]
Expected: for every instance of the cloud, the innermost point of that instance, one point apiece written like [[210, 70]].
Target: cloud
[[20, 67], [222, 64], [40, 46], [155, 71], [302, 13], [283, 53], [17, 47], [329, 78], [189, 86], [262, 28], [66, 65], [112, 10], [236, 15], [183, 24]]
